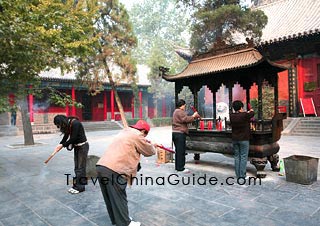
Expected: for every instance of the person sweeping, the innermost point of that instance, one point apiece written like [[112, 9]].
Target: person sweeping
[[74, 138]]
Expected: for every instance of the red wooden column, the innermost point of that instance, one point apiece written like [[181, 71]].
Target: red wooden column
[[140, 104], [112, 104], [132, 107], [67, 110], [30, 97], [73, 95], [105, 106], [300, 78]]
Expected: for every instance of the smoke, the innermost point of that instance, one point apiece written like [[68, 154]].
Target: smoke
[[41, 106]]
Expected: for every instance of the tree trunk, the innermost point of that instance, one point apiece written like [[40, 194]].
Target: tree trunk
[[27, 128], [118, 101], [123, 117]]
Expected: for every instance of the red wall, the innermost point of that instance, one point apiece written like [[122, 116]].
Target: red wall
[[283, 87], [308, 72]]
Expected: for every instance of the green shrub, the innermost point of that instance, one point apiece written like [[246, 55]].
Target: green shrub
[[165, 121], [132, 121], [156, 122]]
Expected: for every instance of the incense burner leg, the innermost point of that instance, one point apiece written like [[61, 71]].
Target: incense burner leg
[[259, 163], [274, 159]]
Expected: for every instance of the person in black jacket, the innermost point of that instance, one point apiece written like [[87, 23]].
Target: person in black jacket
[[240, 123], [74, 138]]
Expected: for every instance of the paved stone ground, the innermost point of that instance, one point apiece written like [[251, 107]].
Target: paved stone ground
[[32, 193]]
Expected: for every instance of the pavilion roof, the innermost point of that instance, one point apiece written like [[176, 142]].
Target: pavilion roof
[[219, 63], [55, 74]]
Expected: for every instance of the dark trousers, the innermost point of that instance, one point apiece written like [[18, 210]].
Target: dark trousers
[[113, 188], [179, 140], [13, 119], [80, 162]]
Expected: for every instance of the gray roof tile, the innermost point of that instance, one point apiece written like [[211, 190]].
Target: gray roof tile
[[290, 18]]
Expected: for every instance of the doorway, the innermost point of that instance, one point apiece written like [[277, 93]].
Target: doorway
[[87, 109]]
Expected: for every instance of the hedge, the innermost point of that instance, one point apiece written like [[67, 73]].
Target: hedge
[[156, 122]]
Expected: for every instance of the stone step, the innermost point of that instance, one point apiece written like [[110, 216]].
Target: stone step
[[309, 126], [306, 131], [88, 126], [311, 120], [40, 128], [306, 127], [99, 126], [310, 123], [7, 130], [305, 134]]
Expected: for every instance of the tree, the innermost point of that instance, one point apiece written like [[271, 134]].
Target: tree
[[37, 35], [159, 24], [160, 27], [225, 19], [268, 101], [111, 58]]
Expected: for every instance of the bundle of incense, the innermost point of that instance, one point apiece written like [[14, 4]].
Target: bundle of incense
[[163, 147], [194, 110], [166, 149]]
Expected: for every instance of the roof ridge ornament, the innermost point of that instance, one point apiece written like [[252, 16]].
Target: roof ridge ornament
[[183, 52], [250, 42], [163, 71], [219, 44]]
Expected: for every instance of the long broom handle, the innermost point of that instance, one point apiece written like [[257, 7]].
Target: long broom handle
[[51, 156]]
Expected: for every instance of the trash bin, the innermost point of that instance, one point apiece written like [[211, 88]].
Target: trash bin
[[301, 169]]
